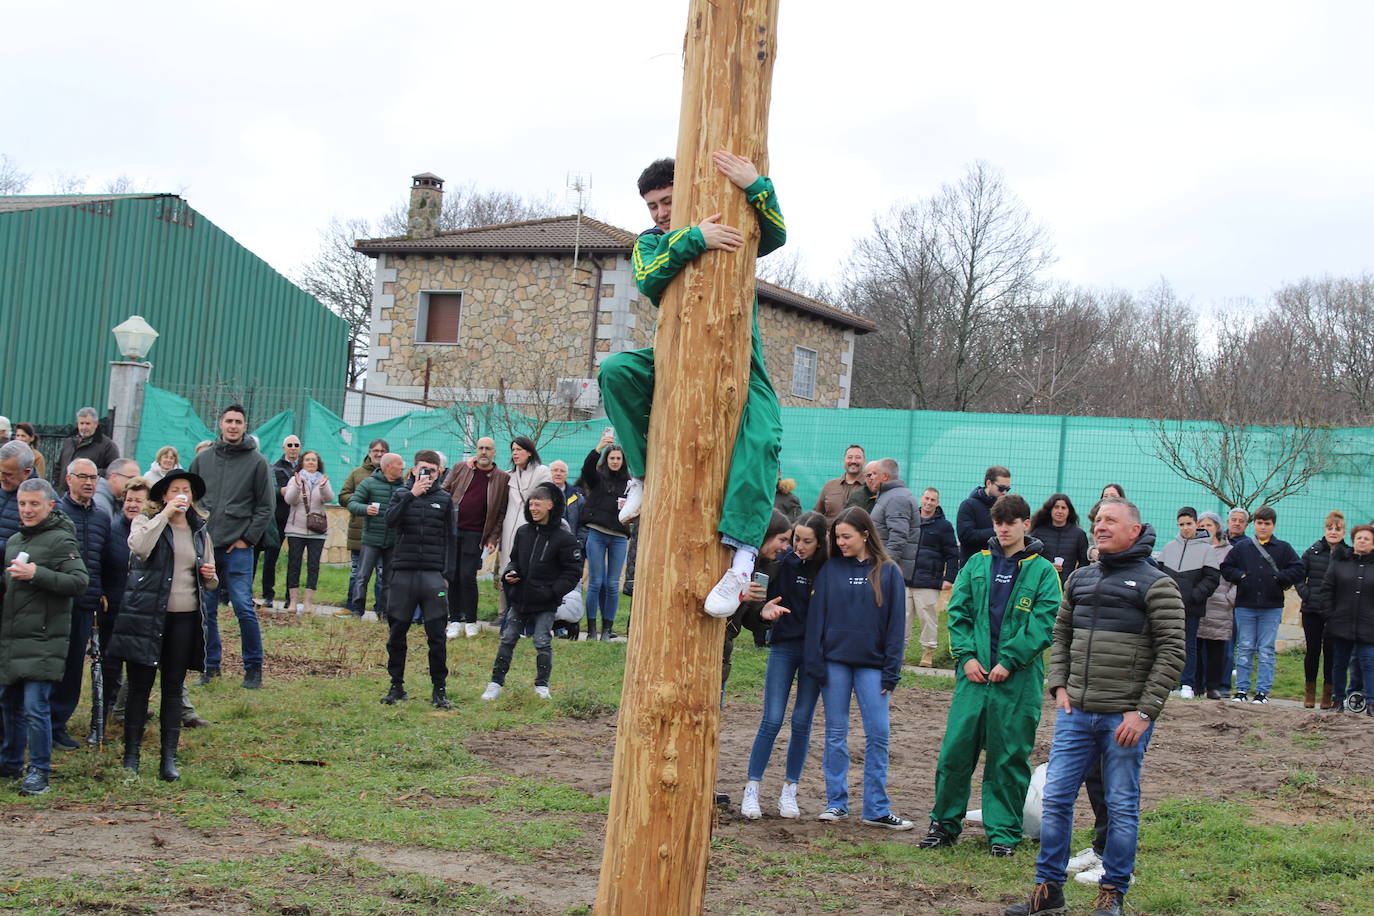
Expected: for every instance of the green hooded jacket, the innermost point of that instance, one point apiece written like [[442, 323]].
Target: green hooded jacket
[[36, 615], [240, 491], [1027, 625]]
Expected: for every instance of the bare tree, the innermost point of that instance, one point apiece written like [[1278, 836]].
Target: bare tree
[[527, 402], [1056, 359], [947, 281], [1335, 316], [342, 278], [788, 270], [13, 180]]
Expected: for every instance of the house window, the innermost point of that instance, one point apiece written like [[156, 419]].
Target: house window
[[804, 373], [439, 318]]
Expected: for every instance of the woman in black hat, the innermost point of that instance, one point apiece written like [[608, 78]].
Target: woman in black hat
[[171, 565]]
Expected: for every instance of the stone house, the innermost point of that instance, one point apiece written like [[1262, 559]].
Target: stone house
[[524, 312]]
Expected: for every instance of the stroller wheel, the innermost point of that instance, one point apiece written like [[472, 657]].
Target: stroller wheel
[[1356, 701]]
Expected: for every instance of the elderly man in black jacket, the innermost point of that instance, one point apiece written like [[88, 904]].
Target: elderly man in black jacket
[[545, 564], [421, 569], [98, 553]]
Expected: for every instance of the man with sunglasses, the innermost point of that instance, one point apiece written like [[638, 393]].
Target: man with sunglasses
[[974, 522], [373, 460], [282, 469]]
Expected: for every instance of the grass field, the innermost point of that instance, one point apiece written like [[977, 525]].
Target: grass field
[[309, 797]]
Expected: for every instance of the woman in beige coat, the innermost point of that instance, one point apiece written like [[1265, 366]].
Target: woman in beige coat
[[307, 491]]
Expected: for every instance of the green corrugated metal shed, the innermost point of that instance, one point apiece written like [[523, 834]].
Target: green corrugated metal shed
[[73, 267]]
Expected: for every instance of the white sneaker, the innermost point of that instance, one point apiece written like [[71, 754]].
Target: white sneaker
[[542, 692], [453, 629], [471, 630], [1185, 692], [787, 802], [1085, 859], [1095, 875], [634, 501], [749, 807], [724, 598], [492, 692]]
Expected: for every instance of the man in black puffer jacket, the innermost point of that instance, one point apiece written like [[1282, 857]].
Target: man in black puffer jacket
[[974, 521], [421, 567], [545, 564]]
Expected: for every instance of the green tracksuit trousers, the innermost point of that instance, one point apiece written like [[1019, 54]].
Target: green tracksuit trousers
[[627, 390], [999, 719]]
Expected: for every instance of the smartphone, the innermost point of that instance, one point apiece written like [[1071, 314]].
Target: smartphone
[[760, 579], [426, 472], [608, 432]]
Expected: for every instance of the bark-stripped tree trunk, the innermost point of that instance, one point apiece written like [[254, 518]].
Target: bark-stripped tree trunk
[[658, 833]]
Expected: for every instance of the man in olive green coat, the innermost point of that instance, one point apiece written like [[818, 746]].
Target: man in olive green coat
[[43, 573], [1001, 620]]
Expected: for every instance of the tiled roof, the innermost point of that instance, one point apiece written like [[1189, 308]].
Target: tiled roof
[[13, 203], [560, 234]]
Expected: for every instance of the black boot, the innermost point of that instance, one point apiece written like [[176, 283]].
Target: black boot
[[252, 677], [607, 634], [167, 767], [210, 673], [591, 629], [135, 718]]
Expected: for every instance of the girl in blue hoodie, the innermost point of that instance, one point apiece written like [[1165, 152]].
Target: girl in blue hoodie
[[855, 638], [790, 594]]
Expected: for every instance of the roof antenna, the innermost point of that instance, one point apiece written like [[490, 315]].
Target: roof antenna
[[579, 186]]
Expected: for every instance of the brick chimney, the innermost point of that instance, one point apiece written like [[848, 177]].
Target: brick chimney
[[426, 199]]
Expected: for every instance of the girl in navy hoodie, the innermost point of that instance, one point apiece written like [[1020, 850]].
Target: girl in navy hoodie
[[855, 638], [790, 594]]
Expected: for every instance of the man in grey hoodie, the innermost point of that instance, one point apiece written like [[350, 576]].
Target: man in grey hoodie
[[241, 497], [1192, 563]]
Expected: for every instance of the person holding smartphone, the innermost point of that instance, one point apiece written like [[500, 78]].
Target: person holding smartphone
[[422, 565]]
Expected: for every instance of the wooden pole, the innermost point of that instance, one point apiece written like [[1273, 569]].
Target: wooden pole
[[658, 832]]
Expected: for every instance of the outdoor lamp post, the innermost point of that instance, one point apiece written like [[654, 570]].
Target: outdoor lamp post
[[128, 376]]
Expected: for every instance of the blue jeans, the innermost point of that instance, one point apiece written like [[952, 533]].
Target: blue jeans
[[1189, 675], [1343, 652], [28, 721], [353, 584], [1256, 630], [605, 560], [1081, 740], [370, 560], [235, 569], [784, 665], [866, 686]]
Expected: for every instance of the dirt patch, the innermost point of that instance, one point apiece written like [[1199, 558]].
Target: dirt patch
[[1200, 749]]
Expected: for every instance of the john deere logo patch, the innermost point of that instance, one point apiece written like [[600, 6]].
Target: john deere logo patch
[[1024, 603]]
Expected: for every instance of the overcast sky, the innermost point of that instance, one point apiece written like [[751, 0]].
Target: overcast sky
[[1224, 146]]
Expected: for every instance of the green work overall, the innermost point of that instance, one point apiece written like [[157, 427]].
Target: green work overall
[[627, 379], [997, 718]]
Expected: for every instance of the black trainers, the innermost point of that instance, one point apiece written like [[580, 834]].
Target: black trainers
[[1109, 901], [252, 677], [11, 773], [1240, 697], [395, 695], [889, 821], [1261, 698], [439, 699], [209, 674], [832, 814], [723, 800], [61, 739], [1001, 850], [937, 837], [1047, 899]]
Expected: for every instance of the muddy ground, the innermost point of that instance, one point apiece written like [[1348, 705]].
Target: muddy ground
[[1201, 749]]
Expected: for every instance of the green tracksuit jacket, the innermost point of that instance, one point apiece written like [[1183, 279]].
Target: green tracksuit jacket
[[627, 379], [999, 718]]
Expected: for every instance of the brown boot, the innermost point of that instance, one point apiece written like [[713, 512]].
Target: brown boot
[[926, 659], [1309, 697], [1326, 696], [309, 602]]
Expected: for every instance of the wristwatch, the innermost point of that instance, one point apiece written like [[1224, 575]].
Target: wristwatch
[[1142, 715]]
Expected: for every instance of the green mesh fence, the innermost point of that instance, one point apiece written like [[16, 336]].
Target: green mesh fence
[[949, 451]]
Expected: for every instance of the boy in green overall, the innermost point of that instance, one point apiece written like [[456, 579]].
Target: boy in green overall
[[627, 378], [1001, 620]]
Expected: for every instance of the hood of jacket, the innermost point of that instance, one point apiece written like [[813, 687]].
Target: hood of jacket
[[1142, 548], [893, 484], [559, 504], [246, 444], [56, 519], [938, 515], [1033, 548], [981, 494]]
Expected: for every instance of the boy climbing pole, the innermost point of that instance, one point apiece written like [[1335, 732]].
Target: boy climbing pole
[[627, 378]]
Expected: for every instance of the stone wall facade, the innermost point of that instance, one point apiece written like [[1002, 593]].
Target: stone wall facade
[[528, 320]]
